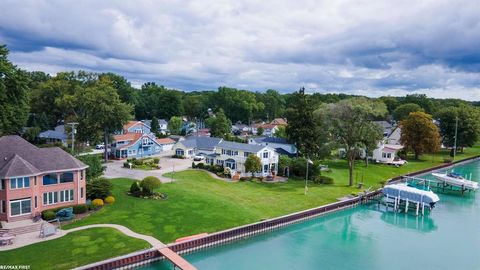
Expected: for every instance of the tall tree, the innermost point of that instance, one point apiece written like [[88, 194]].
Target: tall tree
[[13, 96], [219, 124], [402, 111], [123, 87], [281, 132], [274, 104], [308, 134], [468, 128], [154, 127], [98, 109], [420, 134], [351, 125], [175, 125]]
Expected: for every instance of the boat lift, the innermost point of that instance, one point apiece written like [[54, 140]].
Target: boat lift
[[436, 184], [401, 196]]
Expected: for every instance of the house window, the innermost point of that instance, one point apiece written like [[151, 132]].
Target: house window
[[3, 207], [179, 152], [265, 154], [20, 182], [20, 207], [389, 155], [134, 152], [236, 153], [66, 177], [35, 180], [219, 162], [190, 152], [50, 198], [36, 202], [265, 168], [223, 151], [81, 192], [81, 175], [66, 195], [246, 154], [2, 184], [50, 179]]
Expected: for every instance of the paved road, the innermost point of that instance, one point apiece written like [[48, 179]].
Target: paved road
[[115, 169]]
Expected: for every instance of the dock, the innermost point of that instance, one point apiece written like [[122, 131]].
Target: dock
[[436, 184], [177, 261]]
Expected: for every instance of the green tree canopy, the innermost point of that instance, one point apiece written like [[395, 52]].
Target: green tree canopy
[[468, 130], [155, 128], [13, 96], [253, 164], [402, 111], [420, 134], [219, 124], [175, 125]]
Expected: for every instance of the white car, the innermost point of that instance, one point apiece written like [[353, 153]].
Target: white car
[[100, 146], [198, 158]]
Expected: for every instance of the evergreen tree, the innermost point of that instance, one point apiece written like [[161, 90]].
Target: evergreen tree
[[154, 125]]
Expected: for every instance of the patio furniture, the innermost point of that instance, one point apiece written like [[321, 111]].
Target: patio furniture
[[65, 214], [47, 229], [6, 239]]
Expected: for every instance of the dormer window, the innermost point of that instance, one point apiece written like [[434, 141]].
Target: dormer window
[[265, 154]]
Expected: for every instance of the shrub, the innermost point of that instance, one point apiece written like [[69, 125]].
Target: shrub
[[80, 209], [110, 199], [200, 165], [149, 183], [48, 215], [321, 179], [126, 165], [97, 202], [193, 165], [137, 162], [156, 160], [135, 189], [99, 188], [447, 160]]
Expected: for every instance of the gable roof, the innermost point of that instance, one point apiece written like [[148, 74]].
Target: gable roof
[[127, 137], [254, 148], [206, 143], [269, 126], [273, 140], [20, 158], [165, 141], [53, 134], [279, 121]]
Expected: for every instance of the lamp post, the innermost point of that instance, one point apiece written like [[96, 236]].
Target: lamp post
[[306, 175], [455, 143]]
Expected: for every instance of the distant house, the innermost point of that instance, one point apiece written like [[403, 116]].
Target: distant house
[[233, 155], [388, 148], [279, 144], [162, 125], [203, 132], [279, 122], [394, 136], [136, 141], [194, 145], [36, 179], [386, 126], [269, 129], [58, 135]]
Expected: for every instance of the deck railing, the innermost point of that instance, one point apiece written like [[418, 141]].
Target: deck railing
[[237, 233]]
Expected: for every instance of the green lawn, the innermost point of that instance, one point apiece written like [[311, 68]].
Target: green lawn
[[74, 249], [198, 203]]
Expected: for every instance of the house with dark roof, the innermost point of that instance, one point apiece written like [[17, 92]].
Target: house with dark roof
[[282, 146], [34, 179], [54, 136], [162, 125]]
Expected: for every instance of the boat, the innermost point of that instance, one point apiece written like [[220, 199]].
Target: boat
[[455, 179], [403, 192]]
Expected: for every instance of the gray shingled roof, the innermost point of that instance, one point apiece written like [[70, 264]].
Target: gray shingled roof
[[253, 148], [205, 143], [19, 158], [270, 140]]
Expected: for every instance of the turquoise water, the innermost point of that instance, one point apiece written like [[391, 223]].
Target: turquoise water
[[364, 237]]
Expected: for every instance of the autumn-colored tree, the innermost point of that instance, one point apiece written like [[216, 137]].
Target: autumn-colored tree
[[420, 134]]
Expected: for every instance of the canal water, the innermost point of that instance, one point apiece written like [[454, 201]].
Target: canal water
[[364, 237]]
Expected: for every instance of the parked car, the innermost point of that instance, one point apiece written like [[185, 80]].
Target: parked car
[[198, 158], [100, 146]]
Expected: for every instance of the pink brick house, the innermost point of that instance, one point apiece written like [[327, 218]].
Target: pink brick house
[[34, 179]]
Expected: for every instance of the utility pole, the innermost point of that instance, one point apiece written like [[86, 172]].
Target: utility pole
[[73, 124], [455, 144]]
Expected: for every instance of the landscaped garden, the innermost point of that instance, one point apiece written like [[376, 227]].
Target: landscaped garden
[[142, 163], [74, 249]]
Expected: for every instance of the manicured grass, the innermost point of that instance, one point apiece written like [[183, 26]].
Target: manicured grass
[[198, 203], [74, 249]]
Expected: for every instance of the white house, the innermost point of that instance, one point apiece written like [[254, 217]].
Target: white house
[[386, 153], [194, 145], [233, 155]]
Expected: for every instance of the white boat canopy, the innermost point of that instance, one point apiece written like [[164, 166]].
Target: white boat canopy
[[411, 194]]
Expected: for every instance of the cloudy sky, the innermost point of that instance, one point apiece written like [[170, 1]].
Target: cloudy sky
[[363, 46]]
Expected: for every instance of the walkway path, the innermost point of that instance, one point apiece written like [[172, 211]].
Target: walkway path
[[150, 239], [33, 238]]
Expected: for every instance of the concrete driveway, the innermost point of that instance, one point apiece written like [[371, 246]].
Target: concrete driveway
[[115, 169]]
